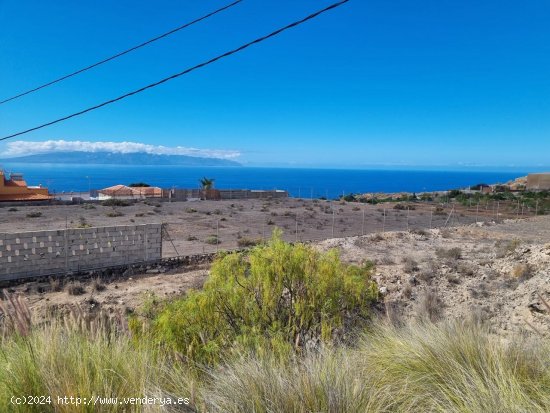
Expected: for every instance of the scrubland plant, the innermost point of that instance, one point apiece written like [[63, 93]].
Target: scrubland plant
[[453, 367], [278, 298], [78, 356]]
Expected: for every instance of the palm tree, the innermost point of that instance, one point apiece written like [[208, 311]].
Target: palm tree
[[207, 183]]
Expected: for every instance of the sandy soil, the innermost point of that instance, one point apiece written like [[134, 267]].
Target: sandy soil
[[124, 294], [191, 226], [494, 273]]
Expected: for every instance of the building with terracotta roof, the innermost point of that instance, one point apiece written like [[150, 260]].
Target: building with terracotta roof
[[127, 192], [15, 189]]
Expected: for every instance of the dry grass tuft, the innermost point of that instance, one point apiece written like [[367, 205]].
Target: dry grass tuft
[[75, 288], [522, 272]]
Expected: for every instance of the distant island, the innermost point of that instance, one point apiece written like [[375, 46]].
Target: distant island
[[112, 158]]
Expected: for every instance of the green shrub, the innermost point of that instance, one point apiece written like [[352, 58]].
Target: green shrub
[[212, 240], [34, 214], [349, 198], [404, 207], [113, 202], [248, 242], [275, 299]]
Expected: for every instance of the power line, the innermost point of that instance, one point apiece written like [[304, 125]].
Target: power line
[[186, 71], [139, 46]]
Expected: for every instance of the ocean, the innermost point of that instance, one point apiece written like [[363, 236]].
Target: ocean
[[304, 183]]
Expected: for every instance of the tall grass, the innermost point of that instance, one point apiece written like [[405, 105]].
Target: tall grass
[[81, 356], [456, 367], [64, 360], [453, 367]]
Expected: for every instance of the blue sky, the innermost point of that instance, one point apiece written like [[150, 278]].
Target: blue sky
[[424, 83]]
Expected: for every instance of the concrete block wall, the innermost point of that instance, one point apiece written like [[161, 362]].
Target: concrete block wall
[[38, 253]]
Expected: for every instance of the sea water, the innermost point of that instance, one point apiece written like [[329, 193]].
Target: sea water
[[299, 182]]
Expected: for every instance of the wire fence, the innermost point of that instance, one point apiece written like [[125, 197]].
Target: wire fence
[[228, 226]]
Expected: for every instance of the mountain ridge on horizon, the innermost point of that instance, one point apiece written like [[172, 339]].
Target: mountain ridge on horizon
[[110, 158]]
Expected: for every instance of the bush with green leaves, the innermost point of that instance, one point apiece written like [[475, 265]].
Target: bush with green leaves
[[277, 298], [115, 202]]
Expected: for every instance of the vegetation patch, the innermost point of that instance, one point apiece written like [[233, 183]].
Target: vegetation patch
[[212, 240], [277, 299], [454, 253], [34, 214], [114, 202], [75, 288]]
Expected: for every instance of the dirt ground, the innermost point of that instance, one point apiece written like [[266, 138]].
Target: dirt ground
[[124, 295], [491, 271], [206, 226]]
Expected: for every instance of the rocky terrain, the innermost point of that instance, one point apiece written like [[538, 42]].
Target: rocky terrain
[[492, 272]]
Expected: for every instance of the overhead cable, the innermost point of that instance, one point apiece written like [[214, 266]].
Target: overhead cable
[[184, 72], [113, 57]]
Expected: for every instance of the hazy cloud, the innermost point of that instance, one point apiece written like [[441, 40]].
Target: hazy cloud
[[24, 148]]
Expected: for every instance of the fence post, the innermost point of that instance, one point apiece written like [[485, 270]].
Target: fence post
[[217, 234], [477, 212], [407, 217], [333, 218], [145, 241], [66, 250], [431, 217], [363, 222], [537, 207], [296, 228], [449, 217], [384, 222]]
